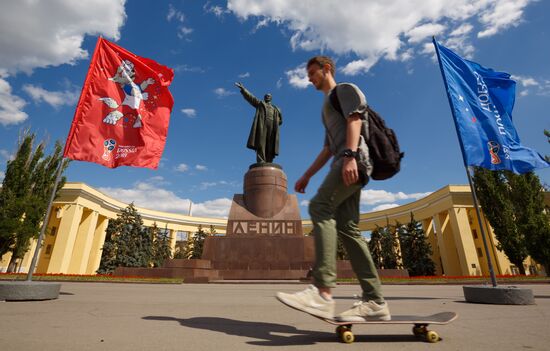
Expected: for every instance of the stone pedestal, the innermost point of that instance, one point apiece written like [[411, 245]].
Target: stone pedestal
[[264, 237]]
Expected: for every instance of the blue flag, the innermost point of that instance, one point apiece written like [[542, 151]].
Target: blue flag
[[481, 102]]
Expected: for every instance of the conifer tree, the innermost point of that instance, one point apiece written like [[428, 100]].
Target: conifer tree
[[382, 248], [375, 248], [127, 242], [416, 249], [195, 244], [161, 245]]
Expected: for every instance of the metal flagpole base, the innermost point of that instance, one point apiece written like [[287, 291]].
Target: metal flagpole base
[[498, 295], [28, 290]]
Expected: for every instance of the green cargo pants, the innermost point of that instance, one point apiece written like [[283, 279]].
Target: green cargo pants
[[334, 211]]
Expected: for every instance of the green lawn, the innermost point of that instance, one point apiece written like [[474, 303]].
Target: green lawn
[[90, 278]]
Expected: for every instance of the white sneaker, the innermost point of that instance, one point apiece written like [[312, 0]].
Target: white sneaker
[[309, 301], [362, 311]]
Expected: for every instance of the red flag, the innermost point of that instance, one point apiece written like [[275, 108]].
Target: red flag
[[124, 109]]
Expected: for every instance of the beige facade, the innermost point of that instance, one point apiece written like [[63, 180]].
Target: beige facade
[[78, 222]]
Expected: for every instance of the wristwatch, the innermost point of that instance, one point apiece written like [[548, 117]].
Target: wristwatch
[[349, 153]]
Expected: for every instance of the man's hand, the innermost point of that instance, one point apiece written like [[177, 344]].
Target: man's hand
[[350, 174], [301, 184]]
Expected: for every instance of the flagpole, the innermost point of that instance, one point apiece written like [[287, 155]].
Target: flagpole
[[45, 221], [470, 181], [486, 247]]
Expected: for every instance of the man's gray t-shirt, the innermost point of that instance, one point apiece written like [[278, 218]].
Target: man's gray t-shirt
[[352, 100]]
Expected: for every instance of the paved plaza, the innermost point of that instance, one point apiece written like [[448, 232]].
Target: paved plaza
[[108, 316]]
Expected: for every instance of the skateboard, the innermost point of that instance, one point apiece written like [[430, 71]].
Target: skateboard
[[420, 325]]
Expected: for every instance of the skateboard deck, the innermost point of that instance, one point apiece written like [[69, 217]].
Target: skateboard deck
[[420, 324]]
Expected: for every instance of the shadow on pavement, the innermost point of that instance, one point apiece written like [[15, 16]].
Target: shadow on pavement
[[271, 334], [389, 298]]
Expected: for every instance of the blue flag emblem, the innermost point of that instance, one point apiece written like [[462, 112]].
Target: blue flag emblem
[[481, 102]]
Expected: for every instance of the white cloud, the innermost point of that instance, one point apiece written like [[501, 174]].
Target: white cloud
[[182, 167], [6, 155], [384, 207], [2, 175], [149, 195], [244, 75], [462, 30], [218, 208], [358, 66], [184, 31], [218, 11], [222, 92], [201, 168], [179, 17], [297, 77], [50, 33], [525, 81], [418, 34], [501, 15], [304, 203], [174, 14], [53, 98], [378, 29], [187, 68], [539, 86], [189, 112], [11, 106], [372, 197]]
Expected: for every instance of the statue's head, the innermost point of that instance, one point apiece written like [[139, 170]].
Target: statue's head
[[267, 97]]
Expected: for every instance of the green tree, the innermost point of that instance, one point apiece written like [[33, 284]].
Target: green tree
[[161, 245], [375, 248], [494, 195], [195, 244], [382, 247], [532, 219], [127, 242], [416, 249], [341, 253], [24, 195]]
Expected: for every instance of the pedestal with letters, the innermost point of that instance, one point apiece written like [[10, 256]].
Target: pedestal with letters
[[264, 238]]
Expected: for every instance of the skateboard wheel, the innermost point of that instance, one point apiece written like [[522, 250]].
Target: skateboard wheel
[[432, 336], [347, 337]]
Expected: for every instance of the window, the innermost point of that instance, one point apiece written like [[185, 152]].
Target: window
[[182, 236], [48, 250], [479, 252], [474, 233], [53, 231]]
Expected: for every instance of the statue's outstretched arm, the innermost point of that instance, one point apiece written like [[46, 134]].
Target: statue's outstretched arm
[[252, 100]]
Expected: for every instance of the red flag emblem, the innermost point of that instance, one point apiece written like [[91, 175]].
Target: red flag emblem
[[124, 110]]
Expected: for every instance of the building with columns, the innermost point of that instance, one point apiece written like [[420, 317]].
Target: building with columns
[[78, 222]]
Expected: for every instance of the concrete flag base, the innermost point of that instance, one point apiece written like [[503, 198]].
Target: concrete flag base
[[28, 290], [499, 295]]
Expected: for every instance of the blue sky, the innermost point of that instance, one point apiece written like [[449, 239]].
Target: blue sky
[[382, 46]]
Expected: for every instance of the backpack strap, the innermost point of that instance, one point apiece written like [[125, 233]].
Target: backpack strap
[[334, 101]]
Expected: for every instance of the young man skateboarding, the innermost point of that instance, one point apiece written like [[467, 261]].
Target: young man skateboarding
[[334, 210]]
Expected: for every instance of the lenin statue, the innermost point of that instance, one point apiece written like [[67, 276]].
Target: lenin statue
[[264, 134]]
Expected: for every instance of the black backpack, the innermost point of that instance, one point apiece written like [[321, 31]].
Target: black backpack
[[381, 140]]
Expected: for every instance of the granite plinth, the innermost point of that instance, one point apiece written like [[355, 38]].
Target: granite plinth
[[499, 295], [28, 290], [265, 191]]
